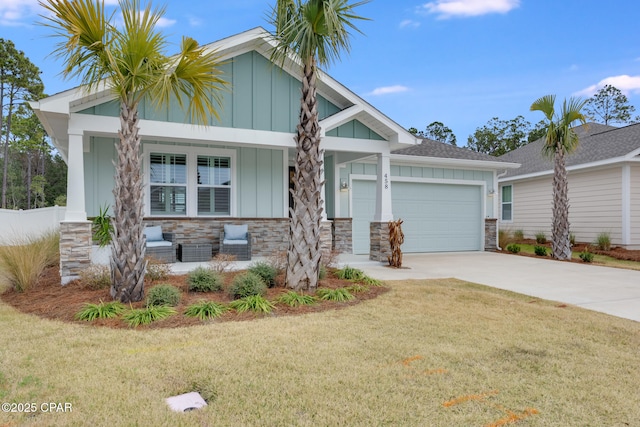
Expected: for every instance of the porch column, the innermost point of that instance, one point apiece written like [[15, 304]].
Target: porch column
[[75, 230], [379, 246], [76, 210], [384, 211]]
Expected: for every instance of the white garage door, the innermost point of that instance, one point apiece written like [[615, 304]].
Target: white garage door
[[437, 217]]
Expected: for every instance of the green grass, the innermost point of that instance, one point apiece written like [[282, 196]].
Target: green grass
[[394, 360], [205, 310], [103, 310]]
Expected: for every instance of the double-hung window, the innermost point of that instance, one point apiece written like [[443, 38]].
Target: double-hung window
[[507, 203], [190, 181], [214, 185], [168, 184]]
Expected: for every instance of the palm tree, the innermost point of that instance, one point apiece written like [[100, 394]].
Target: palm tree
[[560, 140], [316, 31], [130, 61]]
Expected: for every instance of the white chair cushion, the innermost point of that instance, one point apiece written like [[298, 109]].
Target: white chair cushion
[[158, 244], [235, 242], [235, 232], [154, 233]]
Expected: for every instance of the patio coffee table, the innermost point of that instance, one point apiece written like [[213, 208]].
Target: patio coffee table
[[194, 252]]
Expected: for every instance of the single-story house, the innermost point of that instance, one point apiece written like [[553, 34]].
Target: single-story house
[[237, 169], [604, 186]]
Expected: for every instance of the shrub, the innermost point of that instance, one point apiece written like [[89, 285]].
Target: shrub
[[100, 311], [255, 303], [541, 239], [157, 270], [204, 279], [96, 277], [586, 256], [163, 295], [204, 310], [322, 272], [278, 260], [354, 289], [222, 262], [513, 248], [144, 316], [504, 238], [350, 273], [23, 261], [247, 284], [540, 250], [572, 239], [102, 227], [266, 271], [603, 241], [339, 294], [294, 299], [518, 235], [370, 281]]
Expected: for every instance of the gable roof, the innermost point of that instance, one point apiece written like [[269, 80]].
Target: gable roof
[[54, 112], [597, 144], [432, 149]]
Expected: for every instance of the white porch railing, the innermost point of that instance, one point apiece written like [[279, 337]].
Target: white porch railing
[[15, 226]]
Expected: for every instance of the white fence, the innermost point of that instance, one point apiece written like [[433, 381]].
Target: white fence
[[18, 225]]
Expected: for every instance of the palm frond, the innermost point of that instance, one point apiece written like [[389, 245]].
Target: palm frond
[[85, 34]]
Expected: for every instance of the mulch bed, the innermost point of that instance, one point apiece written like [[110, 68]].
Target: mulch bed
[[48, 299], [615, 252]]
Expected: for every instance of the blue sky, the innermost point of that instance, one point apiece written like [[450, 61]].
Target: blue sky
[[460, 62]]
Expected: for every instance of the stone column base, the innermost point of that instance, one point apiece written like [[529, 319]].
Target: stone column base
[[380, 248], [342, 235], [326, 239], [75, 249], [490, 235]]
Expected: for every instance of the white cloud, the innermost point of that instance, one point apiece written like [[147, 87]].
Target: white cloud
[[408, 23], [165, 22], [626, 84], [386, 90], [464, 8], [15, 13]]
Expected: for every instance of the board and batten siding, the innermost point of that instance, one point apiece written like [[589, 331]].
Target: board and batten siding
[[428, 173], [595, 203], [260, 175], [635, 206]]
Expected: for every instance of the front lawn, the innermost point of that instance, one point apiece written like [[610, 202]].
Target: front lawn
[[437, 352]]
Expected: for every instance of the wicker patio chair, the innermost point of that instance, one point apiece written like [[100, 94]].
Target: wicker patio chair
[[236, 240], [160, 246]]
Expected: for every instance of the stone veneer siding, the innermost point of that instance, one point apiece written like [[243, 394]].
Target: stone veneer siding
[[268, 235], [490, 234], [380, 248], [75, 249], [342, 235]]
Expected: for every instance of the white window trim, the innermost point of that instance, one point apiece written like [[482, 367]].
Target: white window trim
[[502, 202], [192, 154]]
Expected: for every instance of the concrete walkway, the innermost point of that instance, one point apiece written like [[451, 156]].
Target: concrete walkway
[[608, 290]]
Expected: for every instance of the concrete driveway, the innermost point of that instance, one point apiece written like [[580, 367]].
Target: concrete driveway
[[608, 290]]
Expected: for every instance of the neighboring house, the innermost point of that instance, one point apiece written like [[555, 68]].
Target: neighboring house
[[604, 187], [237, 169]]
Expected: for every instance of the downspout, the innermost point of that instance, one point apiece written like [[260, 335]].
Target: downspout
[[498, 176]]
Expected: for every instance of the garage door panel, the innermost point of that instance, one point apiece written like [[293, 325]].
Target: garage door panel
[[436, 217]]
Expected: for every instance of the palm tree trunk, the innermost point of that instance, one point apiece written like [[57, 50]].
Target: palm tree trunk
[[128, 265], [303, 256], [560, 242]]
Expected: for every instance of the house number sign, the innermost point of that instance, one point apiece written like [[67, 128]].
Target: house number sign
[[386, 181]]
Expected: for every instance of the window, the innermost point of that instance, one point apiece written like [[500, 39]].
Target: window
[[190, 181], [214, 185], [168, 186], [507, 203]]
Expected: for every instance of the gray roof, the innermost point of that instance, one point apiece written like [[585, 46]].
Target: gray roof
[[597, 143], [431, 148]]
